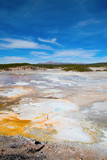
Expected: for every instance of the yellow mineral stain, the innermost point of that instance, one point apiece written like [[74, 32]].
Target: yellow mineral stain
[[99, 93], [44, 123], [1, 89], [27, 89], [43, 120], [12, 125], [92, 134], [2, 105], [23, 87], [41, 116]]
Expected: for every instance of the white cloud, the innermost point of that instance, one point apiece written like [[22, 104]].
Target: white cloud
[[49, 41], [16, 59], [96, 59], [13, 59], [9, 43], [67, 54], [82, 60], [81, 53], [35, 53], [87, 22], [71, 56], [86, 28], [59, 58]]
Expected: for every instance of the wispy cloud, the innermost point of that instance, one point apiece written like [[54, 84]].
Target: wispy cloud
[[53, 41], [87, 22], [71, 55], [35, 53], [13, 59], [18, 59], [87, 28], [47, 40], [76, 53], [9, 43]]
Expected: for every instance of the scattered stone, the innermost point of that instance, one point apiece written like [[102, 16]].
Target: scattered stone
[[37, 142], [33, 150]]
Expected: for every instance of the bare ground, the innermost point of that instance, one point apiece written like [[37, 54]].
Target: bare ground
[[20, 148]]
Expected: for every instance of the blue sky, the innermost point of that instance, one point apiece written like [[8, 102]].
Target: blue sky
[[33, 31]]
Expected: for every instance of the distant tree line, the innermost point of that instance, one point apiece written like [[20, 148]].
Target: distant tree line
[[66, 67], [13, 65]]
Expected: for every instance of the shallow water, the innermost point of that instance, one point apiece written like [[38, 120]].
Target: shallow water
[[54, 105]]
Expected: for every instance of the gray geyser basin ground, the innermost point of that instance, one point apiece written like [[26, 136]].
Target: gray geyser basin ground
[[54, 105]]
